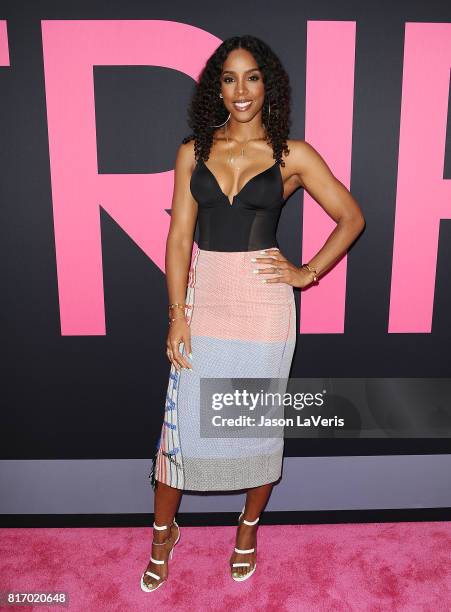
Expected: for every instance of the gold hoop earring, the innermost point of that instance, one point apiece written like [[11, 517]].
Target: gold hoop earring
[[221, 124], [269, 113]]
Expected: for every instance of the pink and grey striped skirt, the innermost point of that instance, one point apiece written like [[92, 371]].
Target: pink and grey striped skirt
[[240, 328]]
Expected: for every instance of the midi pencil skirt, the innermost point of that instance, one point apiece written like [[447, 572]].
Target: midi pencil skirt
[[241, 328]]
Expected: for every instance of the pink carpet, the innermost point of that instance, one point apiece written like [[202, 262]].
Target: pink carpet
[[374, 567]]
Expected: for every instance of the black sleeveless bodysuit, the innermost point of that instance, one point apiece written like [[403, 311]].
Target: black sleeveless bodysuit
[[250, 222]]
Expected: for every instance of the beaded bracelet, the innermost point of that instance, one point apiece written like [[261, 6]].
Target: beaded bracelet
[[176, 319]]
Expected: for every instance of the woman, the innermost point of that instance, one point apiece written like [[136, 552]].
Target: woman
[[232, 313]]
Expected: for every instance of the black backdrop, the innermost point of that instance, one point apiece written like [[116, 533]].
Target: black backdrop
[[102, 396]]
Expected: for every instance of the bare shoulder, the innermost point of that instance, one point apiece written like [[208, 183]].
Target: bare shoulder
[[301, 151], [185, 159], [304, 159]]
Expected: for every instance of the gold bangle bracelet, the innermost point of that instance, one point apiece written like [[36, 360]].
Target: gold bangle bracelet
[[176, 305], [312, 270]]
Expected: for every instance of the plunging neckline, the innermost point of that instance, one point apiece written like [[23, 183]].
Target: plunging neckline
[[231, 203]]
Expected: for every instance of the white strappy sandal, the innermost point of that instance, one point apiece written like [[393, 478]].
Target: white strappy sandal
[[144, 586], [243, 552]]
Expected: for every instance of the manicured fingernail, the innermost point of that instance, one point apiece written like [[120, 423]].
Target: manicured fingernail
[[262, 251], [264, 280], [190, 355], [255, 271], [253, 259]]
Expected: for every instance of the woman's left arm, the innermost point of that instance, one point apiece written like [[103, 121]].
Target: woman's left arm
[[313, 174]]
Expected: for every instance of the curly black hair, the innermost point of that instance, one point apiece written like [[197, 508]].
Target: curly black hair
[[207, 109]]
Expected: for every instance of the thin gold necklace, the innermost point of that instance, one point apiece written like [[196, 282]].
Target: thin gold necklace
[[243, 146]]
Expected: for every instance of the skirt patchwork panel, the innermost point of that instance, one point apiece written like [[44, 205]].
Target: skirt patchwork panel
[[240, 328]]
